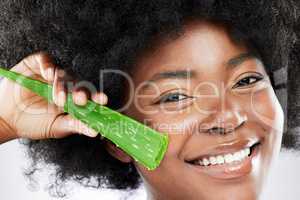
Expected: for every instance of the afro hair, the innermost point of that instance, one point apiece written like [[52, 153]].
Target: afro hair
[[85, 36]]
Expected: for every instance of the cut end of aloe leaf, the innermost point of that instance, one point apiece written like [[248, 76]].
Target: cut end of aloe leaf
[[144, 144]]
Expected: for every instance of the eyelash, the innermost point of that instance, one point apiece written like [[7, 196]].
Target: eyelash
[[258, 78], [164, 99]]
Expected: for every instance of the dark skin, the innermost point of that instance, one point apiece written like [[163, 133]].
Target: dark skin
[[248, 111], [216, 83]]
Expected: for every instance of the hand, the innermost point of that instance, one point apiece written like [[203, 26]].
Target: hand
[[30, 116]]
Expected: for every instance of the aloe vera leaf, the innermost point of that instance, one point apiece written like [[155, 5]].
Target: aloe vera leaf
[[144, 144]]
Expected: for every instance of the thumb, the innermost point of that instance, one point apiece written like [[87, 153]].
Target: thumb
[[64, 125]]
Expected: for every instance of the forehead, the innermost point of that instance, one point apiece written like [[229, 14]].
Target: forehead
[[202, 46]]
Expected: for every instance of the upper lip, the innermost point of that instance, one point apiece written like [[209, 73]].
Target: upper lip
[[225, 148]]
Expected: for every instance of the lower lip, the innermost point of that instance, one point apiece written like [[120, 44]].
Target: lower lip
[[237, 169]]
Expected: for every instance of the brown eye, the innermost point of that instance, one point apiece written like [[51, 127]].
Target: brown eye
[[173, 97], [249, 80]]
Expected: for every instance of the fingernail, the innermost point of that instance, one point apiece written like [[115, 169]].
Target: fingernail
[[91, 133], [61, 98], [104, 99], [50, 73]]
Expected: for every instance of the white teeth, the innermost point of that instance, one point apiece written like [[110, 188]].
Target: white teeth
[[247, 151], [227, 158], [213, 160], [206, 162], [237, 156], [220, 159], [200, 162]]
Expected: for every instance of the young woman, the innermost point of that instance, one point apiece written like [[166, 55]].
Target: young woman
[[199, 71]]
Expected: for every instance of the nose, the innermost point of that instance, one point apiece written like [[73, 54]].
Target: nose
[[227, 117]]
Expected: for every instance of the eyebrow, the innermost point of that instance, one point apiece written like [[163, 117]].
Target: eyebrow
[[238, 60], [185, 74], [177, 74]]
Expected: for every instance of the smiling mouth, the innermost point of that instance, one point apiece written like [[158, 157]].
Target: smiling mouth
[[227, 163], [225, 158]]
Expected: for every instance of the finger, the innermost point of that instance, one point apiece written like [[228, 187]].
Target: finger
[[100, 98], [65, 125], [80, 97], [59, 92], [41, 63], [46, 66]]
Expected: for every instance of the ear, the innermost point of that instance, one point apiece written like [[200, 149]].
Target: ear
[[116, 152]]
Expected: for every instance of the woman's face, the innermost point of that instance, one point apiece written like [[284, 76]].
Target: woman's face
[[215, 101]]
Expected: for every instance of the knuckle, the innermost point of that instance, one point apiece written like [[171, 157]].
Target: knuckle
[[36, 59], [41, 57]]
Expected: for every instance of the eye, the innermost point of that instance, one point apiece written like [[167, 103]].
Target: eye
[[172, 97], [249, 80]]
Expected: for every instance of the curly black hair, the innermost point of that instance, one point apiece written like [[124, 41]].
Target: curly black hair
[[85, 36]]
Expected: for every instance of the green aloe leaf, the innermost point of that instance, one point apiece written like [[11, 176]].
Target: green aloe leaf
[[144, 144]]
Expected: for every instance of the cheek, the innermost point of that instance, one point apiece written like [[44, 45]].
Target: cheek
[[165, 177], [176, 125], [171, 178], [265, 109]]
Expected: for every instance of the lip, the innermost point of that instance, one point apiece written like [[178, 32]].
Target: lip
[[225, 148], [227, 171]]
